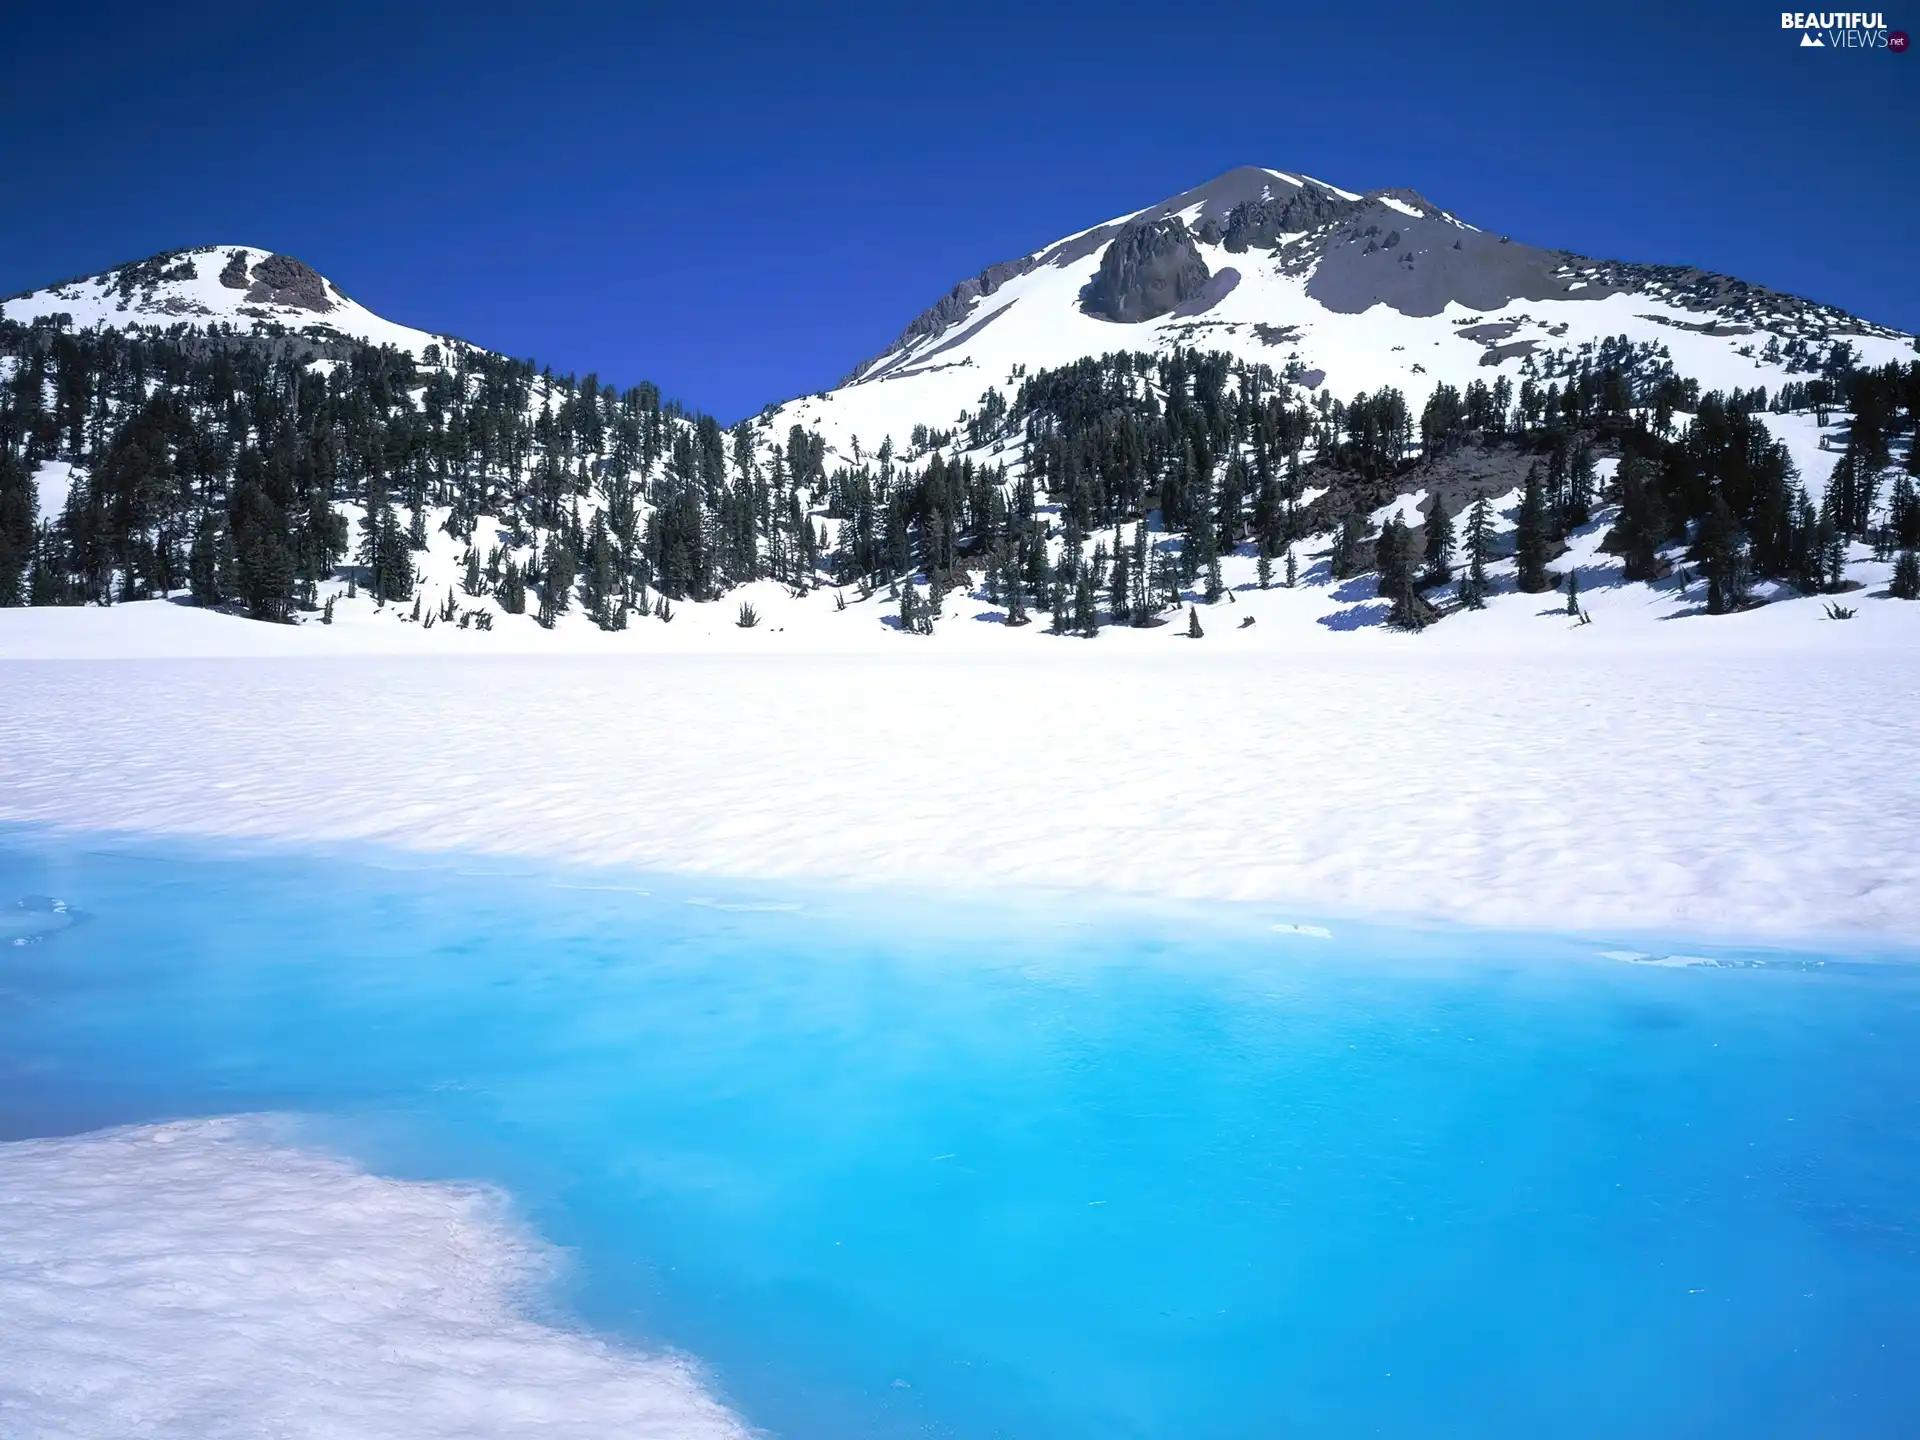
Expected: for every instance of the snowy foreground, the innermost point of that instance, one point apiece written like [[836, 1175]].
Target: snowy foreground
[[1756, 776], [201, 1279], [1744, 777]]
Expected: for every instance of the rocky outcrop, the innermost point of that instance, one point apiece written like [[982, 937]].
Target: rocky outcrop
[[950, 308], [283, 280], [1150, 269], [1262, 222]]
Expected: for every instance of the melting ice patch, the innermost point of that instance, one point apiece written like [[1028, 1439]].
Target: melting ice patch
[[1674, 962], [205, 1280], [34, 917]]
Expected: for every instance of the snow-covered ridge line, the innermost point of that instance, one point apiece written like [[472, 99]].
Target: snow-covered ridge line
[[242, 286], [1362, 290]]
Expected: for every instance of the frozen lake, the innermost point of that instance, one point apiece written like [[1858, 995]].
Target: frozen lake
[[944, 1167]]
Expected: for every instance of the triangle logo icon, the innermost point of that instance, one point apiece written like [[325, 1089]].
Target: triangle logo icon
[[1810, 42]]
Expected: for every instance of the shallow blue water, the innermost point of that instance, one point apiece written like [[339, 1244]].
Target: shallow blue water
[[926, 1168]]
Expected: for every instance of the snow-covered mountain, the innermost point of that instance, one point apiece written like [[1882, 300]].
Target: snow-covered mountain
[[280, 467], [1331, 289], [242, 286]]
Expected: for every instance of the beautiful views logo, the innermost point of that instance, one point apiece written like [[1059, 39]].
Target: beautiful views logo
[[1843, 30]]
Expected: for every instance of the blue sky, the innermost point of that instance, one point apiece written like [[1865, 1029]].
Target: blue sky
[[740, 202]]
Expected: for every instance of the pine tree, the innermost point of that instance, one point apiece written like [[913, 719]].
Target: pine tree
[[1390, 557], [1086, 611], [1479, 544], [1349, 545], [1579, 508], [556, 581], [1293, 568], [1830, 547], [1066, 572], [1016, 593], [1642, 524], [19, 506], [1906, 576], [1439, 544], [512, 590], [1531, 537], [1194, 632], [203, 569], [1120, 587], [1723, 557], [1903, 514], [1573, 594]]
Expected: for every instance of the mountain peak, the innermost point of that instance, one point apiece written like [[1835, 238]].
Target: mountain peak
[[247, 287]]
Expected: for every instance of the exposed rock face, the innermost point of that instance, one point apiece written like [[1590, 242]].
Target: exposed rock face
[[1263, 222], [951, 307], [1149, 270], [283, 280], [234, 276], [1420, 264]]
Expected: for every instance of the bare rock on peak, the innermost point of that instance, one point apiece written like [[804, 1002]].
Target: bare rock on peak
[[283, 280], [1150, 270]]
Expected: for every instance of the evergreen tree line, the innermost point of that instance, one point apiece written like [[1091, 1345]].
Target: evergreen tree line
[[249, 469]]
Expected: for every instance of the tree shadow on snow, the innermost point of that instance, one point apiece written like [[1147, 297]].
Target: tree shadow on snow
[[1359, 587], [1358, 618]]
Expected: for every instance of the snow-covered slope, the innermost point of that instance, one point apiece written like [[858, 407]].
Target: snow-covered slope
[[1331, 289], [243, 286]]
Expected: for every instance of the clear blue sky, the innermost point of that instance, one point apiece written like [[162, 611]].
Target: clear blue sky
[[741, 202]]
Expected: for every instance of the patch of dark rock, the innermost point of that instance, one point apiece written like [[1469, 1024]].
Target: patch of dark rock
[[1276, 334], [1368, 262], [1148, 270], [234, 276], [283, 280], [1494, 354], [1260, 223]]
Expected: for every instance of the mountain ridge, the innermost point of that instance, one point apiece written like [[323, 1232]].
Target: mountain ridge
[[247, 287], [1142, 415], [1252, 207]]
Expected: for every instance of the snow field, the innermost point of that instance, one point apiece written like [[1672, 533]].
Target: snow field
[[204, 1281], [1735, 779]]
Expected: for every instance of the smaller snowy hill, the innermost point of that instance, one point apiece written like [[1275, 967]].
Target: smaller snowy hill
[[242, 286]]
